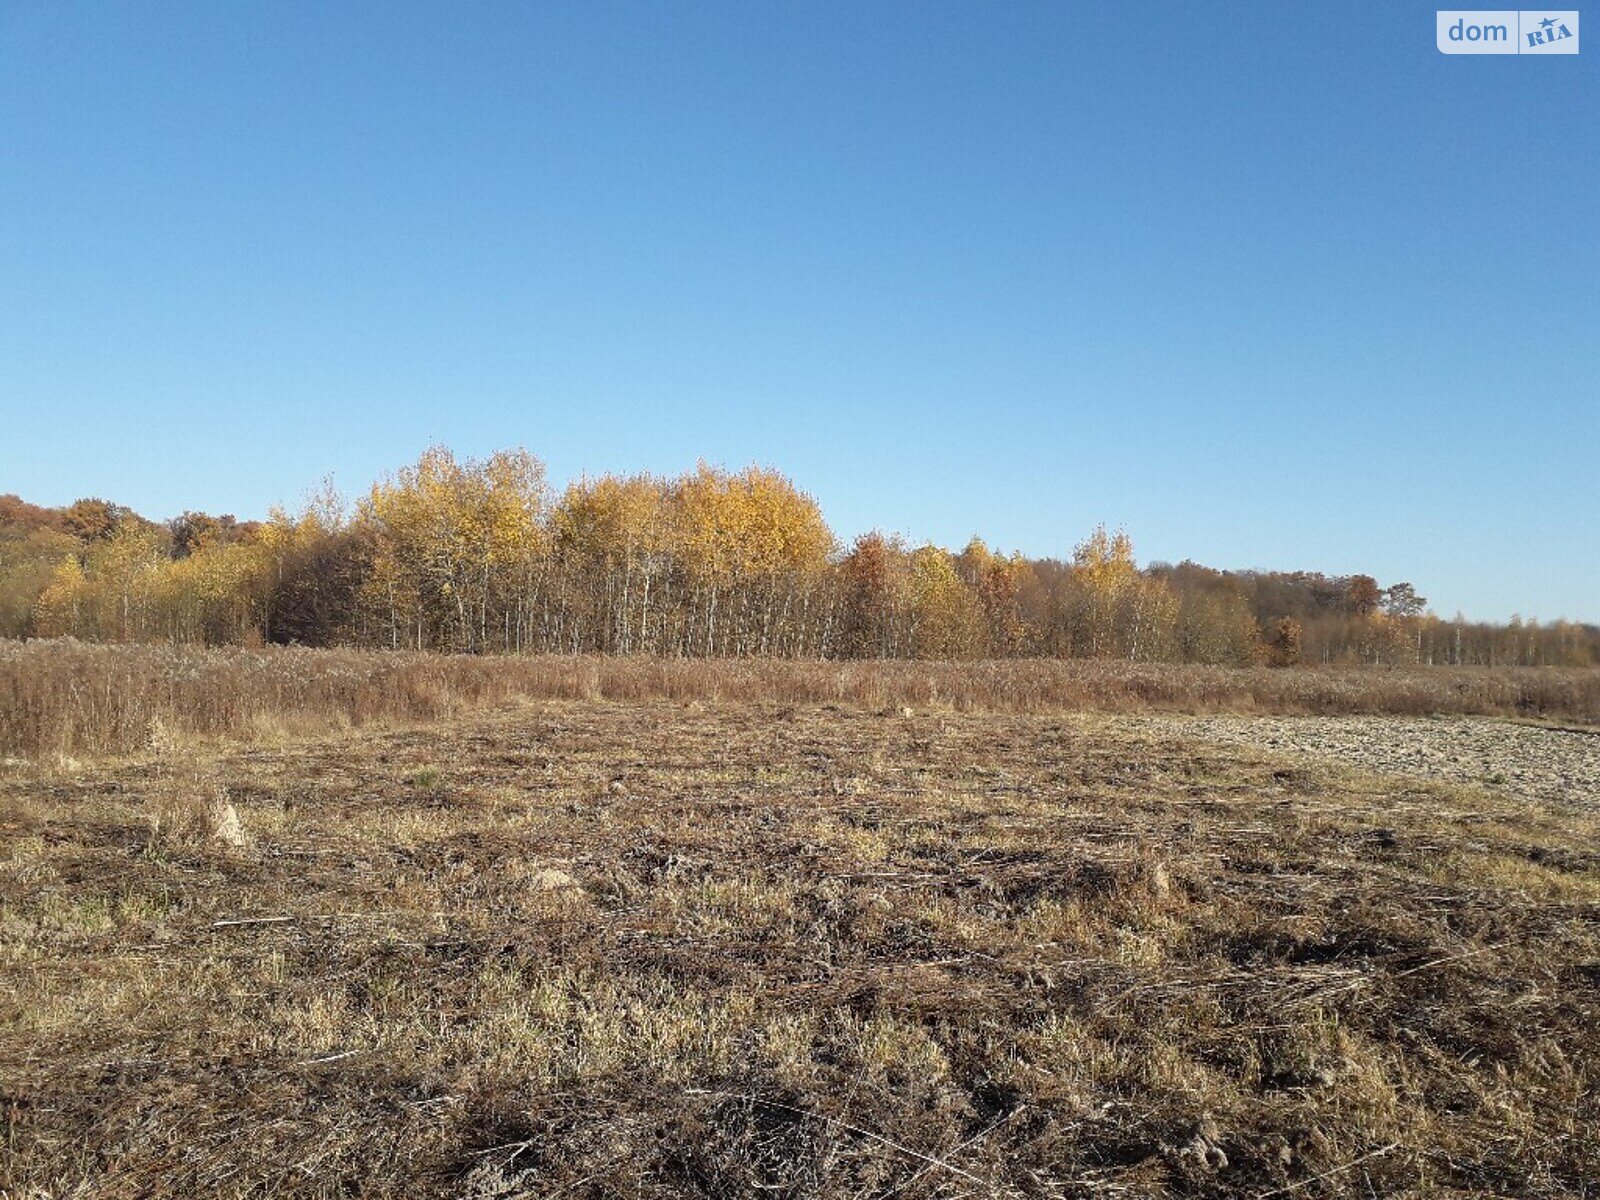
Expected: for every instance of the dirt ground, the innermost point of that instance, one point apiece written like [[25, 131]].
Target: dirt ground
[[654, 949], [1524, 761]]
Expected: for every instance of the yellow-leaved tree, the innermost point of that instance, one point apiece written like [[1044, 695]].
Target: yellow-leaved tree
[[613, 541], [754, 550], [60, 609], [946, 619], [454, 548], [1113, 610]]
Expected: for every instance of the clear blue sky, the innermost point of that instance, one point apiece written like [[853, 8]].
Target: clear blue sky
[[1272, 285]]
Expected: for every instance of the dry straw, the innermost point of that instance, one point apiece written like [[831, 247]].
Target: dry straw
[[73, 698]]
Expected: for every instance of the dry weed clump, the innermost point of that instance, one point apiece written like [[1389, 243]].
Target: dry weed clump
[[195, 813], [71, 698]]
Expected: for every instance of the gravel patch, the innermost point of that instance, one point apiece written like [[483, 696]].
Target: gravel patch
[[1554, 766]]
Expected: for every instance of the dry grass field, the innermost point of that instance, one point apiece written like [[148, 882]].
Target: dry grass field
[[668, 947], [65, 697]]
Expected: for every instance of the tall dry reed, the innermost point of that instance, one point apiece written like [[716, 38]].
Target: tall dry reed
[[75, 698]]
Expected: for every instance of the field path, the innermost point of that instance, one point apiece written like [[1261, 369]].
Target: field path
[[1558, 766]]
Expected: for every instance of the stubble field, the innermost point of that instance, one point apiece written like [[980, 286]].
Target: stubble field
[[615, 948]]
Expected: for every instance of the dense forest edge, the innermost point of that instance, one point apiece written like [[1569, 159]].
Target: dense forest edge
[[483, 556]]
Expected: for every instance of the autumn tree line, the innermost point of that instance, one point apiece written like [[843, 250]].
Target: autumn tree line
[[482, 556]]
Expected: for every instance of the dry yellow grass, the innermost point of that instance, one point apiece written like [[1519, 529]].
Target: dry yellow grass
[[77, 699], [596, 948]]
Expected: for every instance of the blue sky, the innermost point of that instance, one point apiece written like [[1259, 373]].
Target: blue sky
[[1269, 285]]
